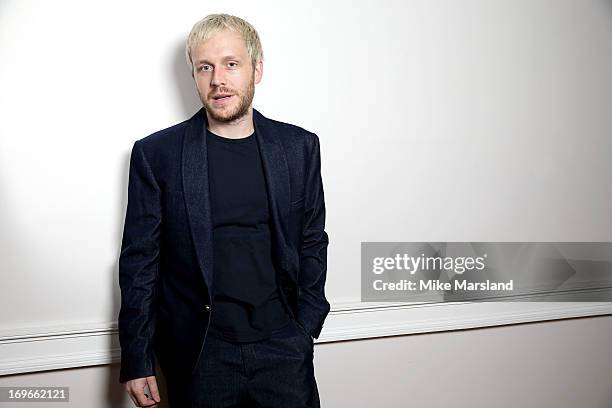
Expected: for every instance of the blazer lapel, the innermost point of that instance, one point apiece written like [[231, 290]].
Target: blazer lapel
[[197, 193], [195, 186], [276, 173]]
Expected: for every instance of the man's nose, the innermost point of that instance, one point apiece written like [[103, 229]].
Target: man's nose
[[218, 78]]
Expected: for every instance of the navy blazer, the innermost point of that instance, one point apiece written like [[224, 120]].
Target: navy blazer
[[165, 266]]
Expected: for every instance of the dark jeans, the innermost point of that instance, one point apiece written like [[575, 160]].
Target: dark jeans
[[273, 373]]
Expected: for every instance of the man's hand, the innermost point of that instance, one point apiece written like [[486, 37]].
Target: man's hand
[[136, 390]]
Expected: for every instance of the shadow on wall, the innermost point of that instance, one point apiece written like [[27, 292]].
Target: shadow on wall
[[185, 85]]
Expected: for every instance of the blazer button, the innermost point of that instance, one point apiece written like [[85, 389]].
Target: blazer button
[[207, 308]]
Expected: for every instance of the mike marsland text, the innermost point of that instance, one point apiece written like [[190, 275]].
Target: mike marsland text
[[436, 285]]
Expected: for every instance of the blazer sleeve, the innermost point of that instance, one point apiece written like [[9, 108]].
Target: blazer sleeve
[[312, 305], [138, 270]]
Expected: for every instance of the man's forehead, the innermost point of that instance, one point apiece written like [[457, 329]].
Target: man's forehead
[[201, 54]]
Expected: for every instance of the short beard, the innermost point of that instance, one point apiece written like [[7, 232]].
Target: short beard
[[244, 102]]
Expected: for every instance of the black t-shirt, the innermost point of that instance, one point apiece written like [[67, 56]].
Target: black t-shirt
[[246, 305]]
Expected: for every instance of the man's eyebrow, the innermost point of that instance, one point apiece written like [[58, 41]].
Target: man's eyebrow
[[228, 57]]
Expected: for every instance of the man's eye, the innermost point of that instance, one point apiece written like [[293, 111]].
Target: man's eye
[[235, 63], [203, 67]]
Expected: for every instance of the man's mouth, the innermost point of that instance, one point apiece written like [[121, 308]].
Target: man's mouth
[[221, 99]]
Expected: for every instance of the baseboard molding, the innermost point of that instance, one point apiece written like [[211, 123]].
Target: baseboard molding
[[42, 348]]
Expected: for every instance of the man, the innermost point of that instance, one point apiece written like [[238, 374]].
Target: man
[[224, 253]]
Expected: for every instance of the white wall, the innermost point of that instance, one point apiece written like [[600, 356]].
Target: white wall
[[439, 121]]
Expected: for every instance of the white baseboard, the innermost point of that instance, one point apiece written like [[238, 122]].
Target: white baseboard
[[66, 346]]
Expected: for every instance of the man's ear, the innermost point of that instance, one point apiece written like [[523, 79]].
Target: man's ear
[[258, 71]]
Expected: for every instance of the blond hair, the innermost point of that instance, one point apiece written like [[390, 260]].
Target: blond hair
[[213, 24]]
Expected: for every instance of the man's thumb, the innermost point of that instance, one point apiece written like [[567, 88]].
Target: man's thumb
[[153, 388]]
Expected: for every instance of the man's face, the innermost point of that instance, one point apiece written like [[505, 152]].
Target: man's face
[[221, 66]]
